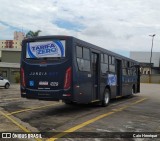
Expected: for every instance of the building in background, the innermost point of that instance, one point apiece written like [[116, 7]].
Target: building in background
[[11, 55], [19, 36], [144, 59], [16, 43], [10, 71], [12, 44], [10, 52], [10, 65], [150, 72]]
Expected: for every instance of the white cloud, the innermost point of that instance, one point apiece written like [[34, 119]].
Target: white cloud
[[2, 27], [115, 24]]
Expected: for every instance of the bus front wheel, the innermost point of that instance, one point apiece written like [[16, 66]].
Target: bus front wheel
[[106, 98]]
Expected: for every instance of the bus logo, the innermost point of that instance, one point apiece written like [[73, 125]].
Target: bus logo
[[31, 83], [112, 79]]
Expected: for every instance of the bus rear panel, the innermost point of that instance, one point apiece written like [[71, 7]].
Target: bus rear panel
[[46, 69]]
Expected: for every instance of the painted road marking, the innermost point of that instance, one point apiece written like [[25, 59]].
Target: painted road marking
[[138, 101], [125, 107], [123, 101], [17, 124], [10, 99], [92, 120], [79, 126], [30, 109]]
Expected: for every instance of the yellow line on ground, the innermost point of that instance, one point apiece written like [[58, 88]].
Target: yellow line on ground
[[125, 107], [92, 120], [17, 124], [30, 109], [10, 98], [120, 109], [79, 126], [136, 102]]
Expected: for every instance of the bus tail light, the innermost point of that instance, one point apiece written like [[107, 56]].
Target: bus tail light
[[23, 82], [67, 79]]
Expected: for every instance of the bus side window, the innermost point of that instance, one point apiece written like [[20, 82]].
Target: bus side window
[[134, 72], [102, 58], [104, 63], [106, 59], [86, 54], [110, 60], [124, 64], [124, 71], [80, 64], [79, 51], [83, 58], [112, 64], [86, 58], [130, 72], [113, 60]]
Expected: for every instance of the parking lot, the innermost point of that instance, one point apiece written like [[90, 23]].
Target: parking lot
[[139, 113]]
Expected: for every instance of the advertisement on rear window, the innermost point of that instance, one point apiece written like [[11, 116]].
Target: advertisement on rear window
[[46, 49]]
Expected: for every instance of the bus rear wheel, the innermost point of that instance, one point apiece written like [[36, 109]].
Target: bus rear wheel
[[106, 98], [67, 102]]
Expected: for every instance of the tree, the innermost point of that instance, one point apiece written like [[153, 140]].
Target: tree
[[33, 34]]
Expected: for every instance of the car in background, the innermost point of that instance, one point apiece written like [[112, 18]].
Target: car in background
[[4, 82]]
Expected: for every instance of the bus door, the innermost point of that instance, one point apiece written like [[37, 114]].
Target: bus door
[[95, 75], [138, 78], [119, 77]]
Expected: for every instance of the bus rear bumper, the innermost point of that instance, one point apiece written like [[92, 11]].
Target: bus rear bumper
[[49, 95]]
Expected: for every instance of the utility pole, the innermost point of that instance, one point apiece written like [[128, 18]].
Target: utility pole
[[151, 47], [151, 57]]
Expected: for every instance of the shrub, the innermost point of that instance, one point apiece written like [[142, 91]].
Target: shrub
[[17, 78]]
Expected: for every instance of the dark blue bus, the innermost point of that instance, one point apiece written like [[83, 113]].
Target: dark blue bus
[[66, 68]]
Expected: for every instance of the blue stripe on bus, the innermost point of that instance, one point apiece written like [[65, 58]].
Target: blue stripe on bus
[[31, 55], [59, 44]]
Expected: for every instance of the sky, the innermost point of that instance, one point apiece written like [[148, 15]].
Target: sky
[[117, 25]]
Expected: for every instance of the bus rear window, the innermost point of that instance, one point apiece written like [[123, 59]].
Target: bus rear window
[[45, 49]]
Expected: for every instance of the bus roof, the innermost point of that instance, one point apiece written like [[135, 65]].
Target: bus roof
[[95, 47]]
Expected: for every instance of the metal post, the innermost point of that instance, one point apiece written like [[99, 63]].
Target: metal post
[[152, 47], [151, 57]]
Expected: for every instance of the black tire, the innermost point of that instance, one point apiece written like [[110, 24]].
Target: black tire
[[133, 89], [7, 86], [106, 98], [132, 93], [68, 102]]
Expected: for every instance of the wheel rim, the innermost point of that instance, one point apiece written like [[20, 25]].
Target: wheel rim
[[106, 98], [7, 86], [132, 91]]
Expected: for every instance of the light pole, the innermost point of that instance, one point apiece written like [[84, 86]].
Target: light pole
[[151, 58], [151, 47]]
